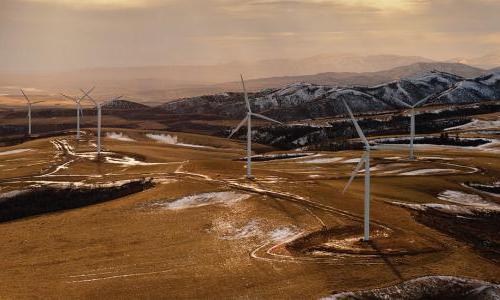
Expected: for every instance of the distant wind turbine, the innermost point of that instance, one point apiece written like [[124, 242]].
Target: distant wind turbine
[[248, 120], [412, 122], [29, 110], [98, 106], [79, 111]]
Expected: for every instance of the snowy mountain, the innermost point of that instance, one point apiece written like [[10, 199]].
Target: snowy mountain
[[411, 90], [306, 100], [356, 79], [485, 87], [290, 96]]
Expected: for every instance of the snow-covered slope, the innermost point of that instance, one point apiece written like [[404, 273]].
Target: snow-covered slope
[[306, 100], [291, 95], [411, 90], [486, 87]]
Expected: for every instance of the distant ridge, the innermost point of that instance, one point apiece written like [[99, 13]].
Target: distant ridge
[[124, 105], [358, 79]]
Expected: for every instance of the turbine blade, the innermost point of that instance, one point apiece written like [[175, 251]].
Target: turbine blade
[[421, 102], [91, 90], [86, 94], [245, 93], [265, 118], [27, 99], [356, 125], [68, 97], [37, 102], [238, 127], [402, 103], [355, 172]]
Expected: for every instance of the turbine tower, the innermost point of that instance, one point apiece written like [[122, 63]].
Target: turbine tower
[[98, 106], [365, 159], [29, 110], [79, 111], [412, 122], [248, 120]]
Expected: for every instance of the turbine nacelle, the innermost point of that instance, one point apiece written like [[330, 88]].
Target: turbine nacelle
[[79, 111], [98, 105], [412, 121], [29, 104]]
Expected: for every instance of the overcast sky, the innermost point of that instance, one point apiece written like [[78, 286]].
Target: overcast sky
[[55, 34]]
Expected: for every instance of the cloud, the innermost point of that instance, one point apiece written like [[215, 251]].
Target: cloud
[[71, 33]]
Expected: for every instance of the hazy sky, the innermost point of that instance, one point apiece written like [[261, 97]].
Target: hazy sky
[[54, 34]]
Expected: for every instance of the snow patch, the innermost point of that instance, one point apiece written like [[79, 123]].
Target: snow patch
[[16, 151], [251, 229], [119, 136], [204, 199], [428, 171], [128, 161], [171, 140], [352, 161], [467, 199], [282, 233], [322, 160]]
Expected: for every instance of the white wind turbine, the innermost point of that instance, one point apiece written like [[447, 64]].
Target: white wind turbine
[[79, 111], [98, 106], [412, 122], [248, 119], [365, 159], [29, 110]]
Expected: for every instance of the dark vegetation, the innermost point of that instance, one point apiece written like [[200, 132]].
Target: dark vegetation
[[443, 139], [489, 188], [334, 137], [275, 156], [48, 199], [480, 229]]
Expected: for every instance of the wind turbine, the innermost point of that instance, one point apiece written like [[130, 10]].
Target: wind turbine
[[98, 105], [248, 120], [79, 111], [365, 159], [29, 110], [412, 122]]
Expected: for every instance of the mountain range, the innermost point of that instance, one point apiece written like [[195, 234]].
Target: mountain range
[[157, 84], [299, 101]]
